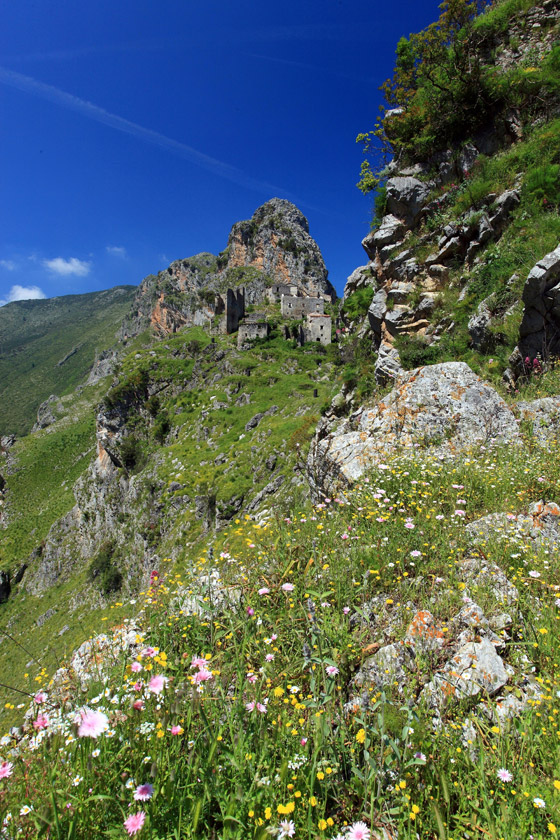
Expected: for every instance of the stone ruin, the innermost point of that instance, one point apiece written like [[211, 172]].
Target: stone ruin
[[295, 303]]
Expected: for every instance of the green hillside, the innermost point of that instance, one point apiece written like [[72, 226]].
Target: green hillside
[[48, 346]]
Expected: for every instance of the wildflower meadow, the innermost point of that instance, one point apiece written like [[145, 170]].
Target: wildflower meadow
[[223, 703]]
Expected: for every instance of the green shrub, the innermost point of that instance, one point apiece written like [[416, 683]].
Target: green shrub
[[153, 405], [358, 303], [162, 427], [103, 572], [414, 351], [131, 453]]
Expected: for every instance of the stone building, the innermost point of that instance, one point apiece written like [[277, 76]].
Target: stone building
[[317, 328], [292, 306], [232, 304], [256, 327], [274, 293]]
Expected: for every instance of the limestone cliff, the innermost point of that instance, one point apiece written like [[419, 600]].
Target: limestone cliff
[[274, 246]]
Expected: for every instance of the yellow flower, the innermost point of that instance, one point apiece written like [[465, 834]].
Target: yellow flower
[[313, 801], [286, 809], [251, 814], [552, 828], [361, 736], [278, 692], [402, 784], [556, 784], [322, 825], [267, 813], [320, 775]]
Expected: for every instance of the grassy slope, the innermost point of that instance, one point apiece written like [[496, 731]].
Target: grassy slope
[[35, 335], [48, 463], [348, 767]]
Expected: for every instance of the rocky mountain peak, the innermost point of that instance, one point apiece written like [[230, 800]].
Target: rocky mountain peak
[[281, 207], [272, 247]]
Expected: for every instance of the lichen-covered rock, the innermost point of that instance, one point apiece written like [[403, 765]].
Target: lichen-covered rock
[[424, 633], [470, 625], [478, 326], [445, 407], [390, 667], [474, 668], [481, 576], [540, 526], [544, 417]]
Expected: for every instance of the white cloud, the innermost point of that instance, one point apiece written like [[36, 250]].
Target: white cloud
[[9, 265], [23, 293], [116, 251], [59, 265]]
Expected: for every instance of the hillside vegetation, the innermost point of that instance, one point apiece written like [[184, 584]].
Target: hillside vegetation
[[48, 347], [317, 596]]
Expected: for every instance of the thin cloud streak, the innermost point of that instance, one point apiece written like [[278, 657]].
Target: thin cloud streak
[[86, 50], [27, 84], [323, 70]]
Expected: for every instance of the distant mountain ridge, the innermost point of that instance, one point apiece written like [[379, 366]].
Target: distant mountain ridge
[[49, 346]]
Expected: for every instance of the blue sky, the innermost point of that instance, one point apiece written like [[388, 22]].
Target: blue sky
[[137, 133]]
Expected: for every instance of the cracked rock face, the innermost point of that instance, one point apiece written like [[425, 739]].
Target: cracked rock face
[[444, 407], [539, 333], [405, 198]]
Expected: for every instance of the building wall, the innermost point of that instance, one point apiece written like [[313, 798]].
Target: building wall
[[296, 307], [250, 331], [318, 328], [234, 305]]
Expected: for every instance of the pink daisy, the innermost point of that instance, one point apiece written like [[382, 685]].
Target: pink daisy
[[202, 676], [288, 587], [6, 768], [148, 651], [135, 667], [504, 775], [264, 590], [41, 723], [198, 662], [138, 705], [135, 822], [358, 831], [177, 730], [331, 670], [40, 697], [144, 792], [92, 723], [157, 684]]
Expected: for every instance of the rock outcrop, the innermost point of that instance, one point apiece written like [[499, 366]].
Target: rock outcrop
[[539, 334], [273, 247], [445, 408]]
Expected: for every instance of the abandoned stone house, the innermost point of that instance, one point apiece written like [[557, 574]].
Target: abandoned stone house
[[317, 328], [294, 304]]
